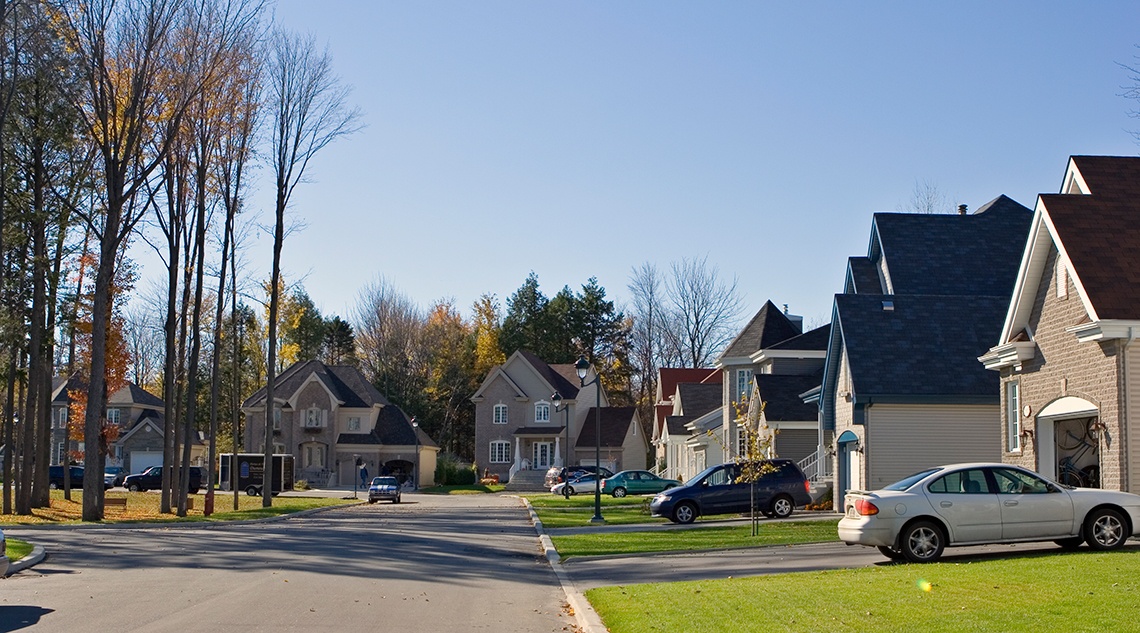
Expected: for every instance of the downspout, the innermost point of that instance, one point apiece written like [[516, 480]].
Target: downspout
[[1124, 477]]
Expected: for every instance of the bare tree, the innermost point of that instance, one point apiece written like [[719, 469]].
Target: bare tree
[[389, 327], [927, 198], [703, 310], [645, 288], [308, 109]]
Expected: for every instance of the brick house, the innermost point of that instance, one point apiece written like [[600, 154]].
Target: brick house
[[901, 388], [1069, 379], [326, 415]]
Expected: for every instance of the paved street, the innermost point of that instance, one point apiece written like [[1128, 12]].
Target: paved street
[[428, 564]]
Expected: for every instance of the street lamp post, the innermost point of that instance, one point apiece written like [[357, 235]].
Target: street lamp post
[[582, 366], [558, 406], [416, 473]]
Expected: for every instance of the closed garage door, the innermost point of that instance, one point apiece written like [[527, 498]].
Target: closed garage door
[[141, 460]]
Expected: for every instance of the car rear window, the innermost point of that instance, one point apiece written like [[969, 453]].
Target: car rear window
[[903, 484]]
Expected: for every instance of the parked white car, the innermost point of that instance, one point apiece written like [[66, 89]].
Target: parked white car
[[582, 484], [972, 504], [3, 557]]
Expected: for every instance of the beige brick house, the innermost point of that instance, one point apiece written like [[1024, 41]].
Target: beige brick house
[[327, 415], [1070, 380]]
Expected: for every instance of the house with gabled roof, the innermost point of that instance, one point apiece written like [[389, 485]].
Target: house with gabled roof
[[665, 444], [1065, 355], [623, 444], [519, 434], [691, 434], [328, 415], [899, 392]]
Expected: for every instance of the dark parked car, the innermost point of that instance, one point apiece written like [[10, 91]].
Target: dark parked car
[[151, 479], [384, 489], [718, 490], [556, 475], [56, 482]]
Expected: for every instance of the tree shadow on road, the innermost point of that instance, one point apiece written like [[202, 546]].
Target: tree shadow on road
[[14, 618]]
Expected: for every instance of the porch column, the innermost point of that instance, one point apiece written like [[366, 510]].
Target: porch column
[[518, 456], [558, 451]]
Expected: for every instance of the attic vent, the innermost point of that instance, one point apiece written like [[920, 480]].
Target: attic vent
[[962, 209], [888, 306]]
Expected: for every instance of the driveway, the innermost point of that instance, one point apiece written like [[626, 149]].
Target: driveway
[[429, 564]]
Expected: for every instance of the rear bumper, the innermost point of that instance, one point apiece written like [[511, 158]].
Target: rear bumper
[[862, 532]]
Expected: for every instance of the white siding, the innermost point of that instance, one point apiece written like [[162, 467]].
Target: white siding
[[904, 439], [1131, 419], [796, 444]]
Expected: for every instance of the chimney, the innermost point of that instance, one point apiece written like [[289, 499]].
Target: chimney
[[961, 209]]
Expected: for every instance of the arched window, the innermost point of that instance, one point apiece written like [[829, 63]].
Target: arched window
[[542, 412], [500, 452], [500, 414]]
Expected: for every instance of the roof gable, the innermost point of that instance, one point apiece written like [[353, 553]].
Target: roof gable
[[694, 399], [346, 384], [781, 397], [615, 423], [768, 327]]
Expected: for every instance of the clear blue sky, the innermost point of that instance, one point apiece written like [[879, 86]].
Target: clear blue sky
[[580, 139]]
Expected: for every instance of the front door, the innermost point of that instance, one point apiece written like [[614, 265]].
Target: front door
[[543, 454]]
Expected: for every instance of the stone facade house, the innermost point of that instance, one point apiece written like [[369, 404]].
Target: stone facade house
[[901, 388], [519, 430], [328, 415], [1068, 366]]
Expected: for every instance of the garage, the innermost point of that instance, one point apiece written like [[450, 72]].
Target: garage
[[141, 460]]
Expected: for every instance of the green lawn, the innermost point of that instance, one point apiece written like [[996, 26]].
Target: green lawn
[[547, 500], [695, 539], [17, 549], [552, 518], [1083, 591], [473, 489]]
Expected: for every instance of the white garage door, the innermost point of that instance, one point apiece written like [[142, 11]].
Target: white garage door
[[141, 460]]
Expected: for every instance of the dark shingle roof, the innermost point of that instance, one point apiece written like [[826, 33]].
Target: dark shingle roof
[[1101, 233], [863, 276], [557, 379], [768, 327], [781, 396], [813, 340], [615, 424], [676, 424], [698, 399], [926, 346], [975, 254], [393, 428], [347, 384], [134, 394]]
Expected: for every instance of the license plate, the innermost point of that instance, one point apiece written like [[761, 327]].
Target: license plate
[[852, 512]]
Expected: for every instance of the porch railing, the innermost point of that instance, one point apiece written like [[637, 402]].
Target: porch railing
[[816, 466]]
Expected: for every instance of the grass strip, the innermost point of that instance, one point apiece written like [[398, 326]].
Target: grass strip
[[583, 501], [144, 507], [472, 489], [617, 543], [1082, 591], [560, 518], [17, 549]]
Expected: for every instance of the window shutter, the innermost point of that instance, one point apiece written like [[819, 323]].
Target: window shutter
[[324, 418]]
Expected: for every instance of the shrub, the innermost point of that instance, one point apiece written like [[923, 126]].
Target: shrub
[[301, 484], [450, 472]]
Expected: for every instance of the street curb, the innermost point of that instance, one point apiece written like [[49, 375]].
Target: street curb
[[588, 619], [37, 555]]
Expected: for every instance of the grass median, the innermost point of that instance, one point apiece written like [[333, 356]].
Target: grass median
[[470, 489], [16, 549], [618, 543], [1083, 591], [144, 507]]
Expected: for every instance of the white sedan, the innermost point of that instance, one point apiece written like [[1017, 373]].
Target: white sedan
[[583, 484], [972, 504]]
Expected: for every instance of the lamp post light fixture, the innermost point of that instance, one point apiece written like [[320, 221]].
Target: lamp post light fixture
[[565, 409], [416, 472], [582, 366]]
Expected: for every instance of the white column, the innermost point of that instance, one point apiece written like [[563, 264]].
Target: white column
[[518, 457], [558, 451]]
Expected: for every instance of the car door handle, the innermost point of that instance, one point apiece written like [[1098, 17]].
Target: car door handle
[[1010, 504], [946, 504]]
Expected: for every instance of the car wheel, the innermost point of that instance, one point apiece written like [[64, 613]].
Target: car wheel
[[619, 492], [251, 491], [684, 513], [922, 542], [396, 500], [890, 553], [782, 507], [134, 488], [53, 486], [1070, 543], [569, 490], [1105, 529], [371, 501]]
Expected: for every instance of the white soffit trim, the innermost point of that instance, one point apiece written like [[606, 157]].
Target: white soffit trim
[[1104, 330], [1067, 406], [770, 354], [1008, 355]]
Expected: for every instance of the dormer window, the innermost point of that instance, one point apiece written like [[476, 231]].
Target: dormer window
[[542, 412], [354, 424], [113, 416], [743, 383]]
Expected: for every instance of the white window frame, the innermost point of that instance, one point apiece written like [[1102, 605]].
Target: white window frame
[[500, 452], [113, 416], [540, 408], [499, 414], [276, 419], [61, 422], [278, 449], [743, 383], [1013, 416], [354, 423], [315, 418]]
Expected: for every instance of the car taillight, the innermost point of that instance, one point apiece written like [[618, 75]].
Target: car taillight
[[865, 508], [807, 486]]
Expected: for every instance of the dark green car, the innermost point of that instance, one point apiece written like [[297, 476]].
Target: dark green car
[[636, 482]]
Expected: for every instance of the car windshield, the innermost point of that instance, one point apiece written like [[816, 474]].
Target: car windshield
[[903, 484], [384, 481]]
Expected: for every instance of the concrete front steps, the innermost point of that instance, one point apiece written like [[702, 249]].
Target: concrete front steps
[[527, 481]]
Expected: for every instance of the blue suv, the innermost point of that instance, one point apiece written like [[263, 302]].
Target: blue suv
[[718, 490]]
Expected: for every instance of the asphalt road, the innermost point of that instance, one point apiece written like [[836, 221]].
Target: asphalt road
[[428, 564]]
